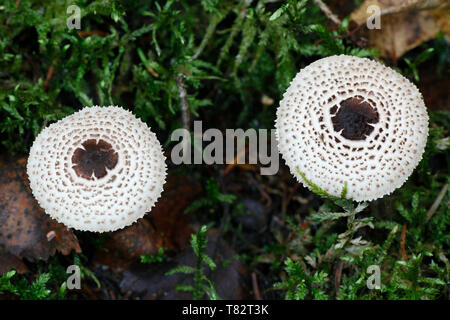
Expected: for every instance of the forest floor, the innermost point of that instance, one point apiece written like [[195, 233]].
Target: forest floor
[[264, 234]]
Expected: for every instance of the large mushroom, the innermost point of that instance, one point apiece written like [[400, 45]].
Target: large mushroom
[[99, 169], [352, 121]]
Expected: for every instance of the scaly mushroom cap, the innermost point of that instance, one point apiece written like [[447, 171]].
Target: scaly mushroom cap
[[99, 169], [352, 120]]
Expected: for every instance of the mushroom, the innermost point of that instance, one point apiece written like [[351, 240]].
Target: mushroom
[[99, 169], [348, 121]]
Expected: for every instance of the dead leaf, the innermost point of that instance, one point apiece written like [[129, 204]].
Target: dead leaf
[[24, 226], [168, 217], [405, 24], [231, 281], [166, 226], [127, 245], [442, 17]]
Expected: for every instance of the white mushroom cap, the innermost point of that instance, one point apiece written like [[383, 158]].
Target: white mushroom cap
[[348, 120], [99, 169]]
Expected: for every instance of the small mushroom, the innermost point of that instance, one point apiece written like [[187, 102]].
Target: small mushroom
[[352, 121], [99, 169]]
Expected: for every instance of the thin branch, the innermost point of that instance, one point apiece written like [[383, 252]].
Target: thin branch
[[338, 276], [84, 34], [402, 243], [437, 202], [256, 287], [185, 113], [49, 76], [325, 9]]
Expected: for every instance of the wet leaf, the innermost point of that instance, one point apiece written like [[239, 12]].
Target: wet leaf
[[25, 230]]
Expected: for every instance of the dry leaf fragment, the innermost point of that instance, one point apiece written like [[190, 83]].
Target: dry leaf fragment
[[405, 24], [23, 224]]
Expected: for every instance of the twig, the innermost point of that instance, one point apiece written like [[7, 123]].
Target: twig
[[185, 114], [152, 72], [90, 33], [338, 276], [402, 243], [255, 286], [49, 76], [325, 9], [437, 202]]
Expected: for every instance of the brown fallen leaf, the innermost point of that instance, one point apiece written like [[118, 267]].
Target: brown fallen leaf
[[127, 245], [168, 217], [24, 226], [405, 24], [231, 281], [166, 226]]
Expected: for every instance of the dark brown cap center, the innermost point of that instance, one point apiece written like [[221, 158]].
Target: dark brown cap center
[[94, 159], [354, 118]]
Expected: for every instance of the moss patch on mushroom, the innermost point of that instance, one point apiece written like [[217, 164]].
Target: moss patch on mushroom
[[321, 192]]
